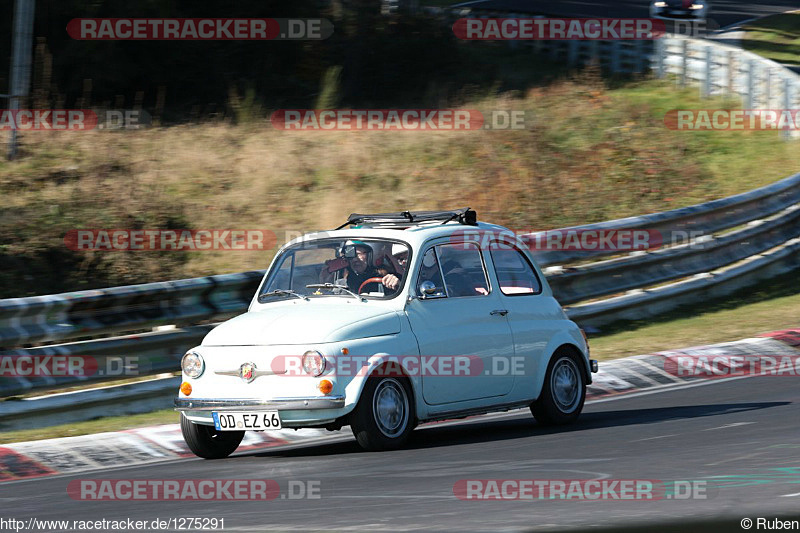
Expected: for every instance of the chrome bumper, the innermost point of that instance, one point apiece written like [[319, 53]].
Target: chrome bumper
[[281, 404]]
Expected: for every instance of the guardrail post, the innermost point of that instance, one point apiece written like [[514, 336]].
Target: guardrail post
[[661, 57], [537, 46], [615, 56], [513, 43], [768, 88], [787, 104], [594, 55], [638, 59], [751, 85], [708, 75], [572, 52], [685, 61], [20, 75]]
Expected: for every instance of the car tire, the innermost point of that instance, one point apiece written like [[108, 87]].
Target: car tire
[[563, 391], [207, 442], [384, 417]]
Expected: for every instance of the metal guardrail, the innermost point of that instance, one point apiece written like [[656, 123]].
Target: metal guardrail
[[143, 354], [706, 218], [643, 303], [124, 309], [640, 269], [69, 407]]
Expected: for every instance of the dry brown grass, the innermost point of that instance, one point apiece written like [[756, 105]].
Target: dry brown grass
[[589, 154]]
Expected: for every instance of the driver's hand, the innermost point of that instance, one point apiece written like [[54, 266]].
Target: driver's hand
[[391, 281]]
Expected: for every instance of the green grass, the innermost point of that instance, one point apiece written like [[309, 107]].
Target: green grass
[[776, 37], [115, 423], [769, 306]]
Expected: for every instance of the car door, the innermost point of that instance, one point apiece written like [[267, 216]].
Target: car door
[[533, 317], [460, 316]]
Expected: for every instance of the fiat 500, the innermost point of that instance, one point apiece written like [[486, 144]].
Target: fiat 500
[[399, 319]]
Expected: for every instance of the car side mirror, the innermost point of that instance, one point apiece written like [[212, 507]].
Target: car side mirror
[[427, 288]]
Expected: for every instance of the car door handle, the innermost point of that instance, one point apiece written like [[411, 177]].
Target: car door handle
[[501, 312]]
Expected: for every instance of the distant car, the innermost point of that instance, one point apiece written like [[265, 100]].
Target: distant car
[[688, 10], [369, 327]]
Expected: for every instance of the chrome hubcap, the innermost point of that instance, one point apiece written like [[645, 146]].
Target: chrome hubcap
[[390, 407], [565, 385]]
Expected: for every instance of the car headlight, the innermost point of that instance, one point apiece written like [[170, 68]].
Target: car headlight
[[660, 4], [313, 363], [696, 6], [193, 365]]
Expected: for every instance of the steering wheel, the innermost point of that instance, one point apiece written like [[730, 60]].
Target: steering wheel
[[369, 280]]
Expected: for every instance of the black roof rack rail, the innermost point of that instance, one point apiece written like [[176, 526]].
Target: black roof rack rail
[[406, 219]]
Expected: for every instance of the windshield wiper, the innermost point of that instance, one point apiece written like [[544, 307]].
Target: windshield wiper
[[281, 292], [332, 286]]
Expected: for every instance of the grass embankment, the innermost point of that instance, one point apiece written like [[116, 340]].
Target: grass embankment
[[776, 37], [115, 423], [589, 153]]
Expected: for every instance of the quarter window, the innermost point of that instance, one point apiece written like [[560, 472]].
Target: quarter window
[[514, 272]]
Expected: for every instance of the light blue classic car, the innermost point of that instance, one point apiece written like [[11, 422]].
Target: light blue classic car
[[400, 319]]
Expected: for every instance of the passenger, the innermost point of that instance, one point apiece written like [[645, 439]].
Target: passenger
[[360, 268]]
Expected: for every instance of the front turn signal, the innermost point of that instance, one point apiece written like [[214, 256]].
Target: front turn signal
[[325, 386], [186, 388]]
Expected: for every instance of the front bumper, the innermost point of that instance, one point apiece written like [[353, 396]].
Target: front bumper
[[281, 404]]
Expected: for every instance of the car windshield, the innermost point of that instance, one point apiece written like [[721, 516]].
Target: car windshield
[[370, 268]]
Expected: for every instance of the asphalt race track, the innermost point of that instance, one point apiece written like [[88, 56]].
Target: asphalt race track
[[739, 437], [723, 12]]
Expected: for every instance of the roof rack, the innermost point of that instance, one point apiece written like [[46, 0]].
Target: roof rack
[[407, 219]]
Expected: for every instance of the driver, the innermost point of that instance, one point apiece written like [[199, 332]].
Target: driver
[[359, 268]]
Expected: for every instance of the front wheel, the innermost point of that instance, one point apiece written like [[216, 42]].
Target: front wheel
[[207, 442], [563, 392], [384, 416]]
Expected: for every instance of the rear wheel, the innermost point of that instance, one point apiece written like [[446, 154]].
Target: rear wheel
[[384, 416], [563, 392], [207, 442]]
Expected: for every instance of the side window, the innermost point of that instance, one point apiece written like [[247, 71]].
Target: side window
[[463, 270], [514, 272], [430, 271]]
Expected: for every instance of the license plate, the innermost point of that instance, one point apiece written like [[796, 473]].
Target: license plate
[[240, 421]]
